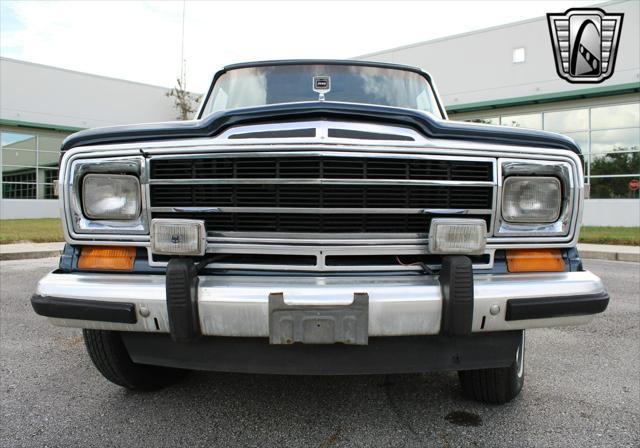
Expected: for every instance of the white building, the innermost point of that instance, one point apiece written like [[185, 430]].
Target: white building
[[502, 75], [40, 106], [506, 75]]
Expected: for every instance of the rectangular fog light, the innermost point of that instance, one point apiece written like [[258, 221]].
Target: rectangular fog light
[[178, 237], [457, 236]]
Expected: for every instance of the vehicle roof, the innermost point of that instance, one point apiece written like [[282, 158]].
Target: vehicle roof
[[356, 62]]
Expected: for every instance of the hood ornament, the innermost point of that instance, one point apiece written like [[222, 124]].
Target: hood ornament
[[321, 85]]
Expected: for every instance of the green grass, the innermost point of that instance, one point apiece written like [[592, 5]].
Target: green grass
[[30, 230], [628, 236], [48, 230]]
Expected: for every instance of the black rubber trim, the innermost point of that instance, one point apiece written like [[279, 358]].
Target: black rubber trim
[[287, 133], [456, 281], [545, 307], [182, 299], [399, 354], [364, 135], [118, 312]]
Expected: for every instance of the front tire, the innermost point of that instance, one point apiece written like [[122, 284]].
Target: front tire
[[110, 356], [497, 385]]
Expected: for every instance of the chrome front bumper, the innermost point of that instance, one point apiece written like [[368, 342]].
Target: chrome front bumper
[[398, 305]]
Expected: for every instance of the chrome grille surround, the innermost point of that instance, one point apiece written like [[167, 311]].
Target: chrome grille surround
[[289, 224], [348, 198], [324, 245]]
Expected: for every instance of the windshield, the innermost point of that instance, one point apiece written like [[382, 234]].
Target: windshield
[[258, 86]]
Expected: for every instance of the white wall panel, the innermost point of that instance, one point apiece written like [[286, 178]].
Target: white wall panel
[[35, 93], [478, 66]]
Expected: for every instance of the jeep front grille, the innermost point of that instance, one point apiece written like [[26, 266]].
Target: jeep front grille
[[318, 196]]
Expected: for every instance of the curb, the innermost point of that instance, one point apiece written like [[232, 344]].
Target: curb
[[5, 256], [611, 256]]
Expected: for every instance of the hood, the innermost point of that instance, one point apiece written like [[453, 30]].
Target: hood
[[421, 122]]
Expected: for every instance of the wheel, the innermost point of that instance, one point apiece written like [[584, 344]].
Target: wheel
[[110, 356], [498, 385]]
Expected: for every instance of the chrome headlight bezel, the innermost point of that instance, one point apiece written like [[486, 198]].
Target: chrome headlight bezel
[[83, 224], [563, 172]]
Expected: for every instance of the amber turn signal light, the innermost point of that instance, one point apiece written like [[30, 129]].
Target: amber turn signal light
[[534, 260], [107, 258]]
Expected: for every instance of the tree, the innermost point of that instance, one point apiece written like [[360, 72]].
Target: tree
[[618, 162], [185, 102], [481, 120]]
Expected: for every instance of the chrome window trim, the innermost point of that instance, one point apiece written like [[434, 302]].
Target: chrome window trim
[[438, 115]]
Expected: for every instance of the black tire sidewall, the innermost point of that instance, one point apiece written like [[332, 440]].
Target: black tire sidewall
[[110, 356], [516, 371]]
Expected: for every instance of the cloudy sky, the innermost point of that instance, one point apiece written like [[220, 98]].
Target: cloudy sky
[[141, 40]]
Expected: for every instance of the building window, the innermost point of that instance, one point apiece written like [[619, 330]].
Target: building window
[[614, 152], [609, 137], [619, 116], [567, 120], [488, 120], [518, 55], [531, 121], [29, 160]]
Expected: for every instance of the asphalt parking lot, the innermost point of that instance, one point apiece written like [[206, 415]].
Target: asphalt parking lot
[[582, 389]]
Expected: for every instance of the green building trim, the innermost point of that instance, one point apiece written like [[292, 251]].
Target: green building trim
[[620, 89], [29, 124]]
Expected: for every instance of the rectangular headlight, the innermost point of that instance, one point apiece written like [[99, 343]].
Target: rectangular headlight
[[111, 196], [457, 236], [531, 199], [178, 237]]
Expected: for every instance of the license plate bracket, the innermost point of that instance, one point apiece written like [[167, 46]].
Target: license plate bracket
[[319, 324]]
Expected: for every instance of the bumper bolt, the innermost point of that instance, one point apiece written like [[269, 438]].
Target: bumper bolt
[[144, 311]]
